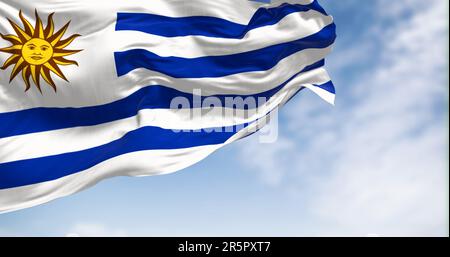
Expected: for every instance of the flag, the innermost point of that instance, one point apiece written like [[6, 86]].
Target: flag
[[95, 89]]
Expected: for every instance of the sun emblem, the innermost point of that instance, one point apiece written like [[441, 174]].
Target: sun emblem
[[36, 51]]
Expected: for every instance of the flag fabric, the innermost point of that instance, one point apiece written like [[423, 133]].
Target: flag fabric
[[87, 88]]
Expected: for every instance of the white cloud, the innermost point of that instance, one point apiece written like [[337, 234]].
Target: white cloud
[[270, 173], [377, 163], [94, 230]]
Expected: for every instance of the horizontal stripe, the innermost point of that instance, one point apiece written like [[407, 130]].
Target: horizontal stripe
[[261, 1], [306, 23], [74, 139], [205, 25], [219, 66], [328, 87], [239, 11], [237, 84], [143, 163], [148, 163], [320, 91], [151, 97], [106, 90], [31, 171]]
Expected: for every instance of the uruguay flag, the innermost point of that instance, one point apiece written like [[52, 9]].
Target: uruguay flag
[[96, 89]]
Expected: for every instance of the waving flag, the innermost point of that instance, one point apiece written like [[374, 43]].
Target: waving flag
[[87, 88]]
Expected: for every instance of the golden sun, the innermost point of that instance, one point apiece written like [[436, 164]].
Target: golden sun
[[36, 51]]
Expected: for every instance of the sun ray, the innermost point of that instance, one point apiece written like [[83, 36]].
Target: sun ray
[[27, 25], [35, 72], [11, 60], [15, 49], [24, 37], [26, 73], [55, 38], [11, 38], [48, 32], [62, 53], [46, 76], [37, 52], [64, 62], [17, 68], [66, 42], [51, 65], [39, 28]]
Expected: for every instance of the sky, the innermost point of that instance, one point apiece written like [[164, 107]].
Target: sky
[[375, 164]]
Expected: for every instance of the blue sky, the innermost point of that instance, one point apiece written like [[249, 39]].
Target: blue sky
[[375, 164]]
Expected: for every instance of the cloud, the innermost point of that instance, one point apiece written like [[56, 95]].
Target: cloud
[[376, 163], [94, 230], [269, 173]]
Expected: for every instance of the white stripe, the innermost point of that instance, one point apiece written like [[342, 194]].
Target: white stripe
[[325, 95], [103, 12], [302, 2], [143, 163], [242, 83], [138, 163], [95, 82], [80, 94], [293, 27], [80, 138]]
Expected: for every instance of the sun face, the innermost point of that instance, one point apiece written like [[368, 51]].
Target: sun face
[[36, 51]]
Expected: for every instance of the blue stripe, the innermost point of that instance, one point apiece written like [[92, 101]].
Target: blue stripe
[[31, 171], [261, 1], [151, 97], [219, 66], [205, 25], [328, 87]]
